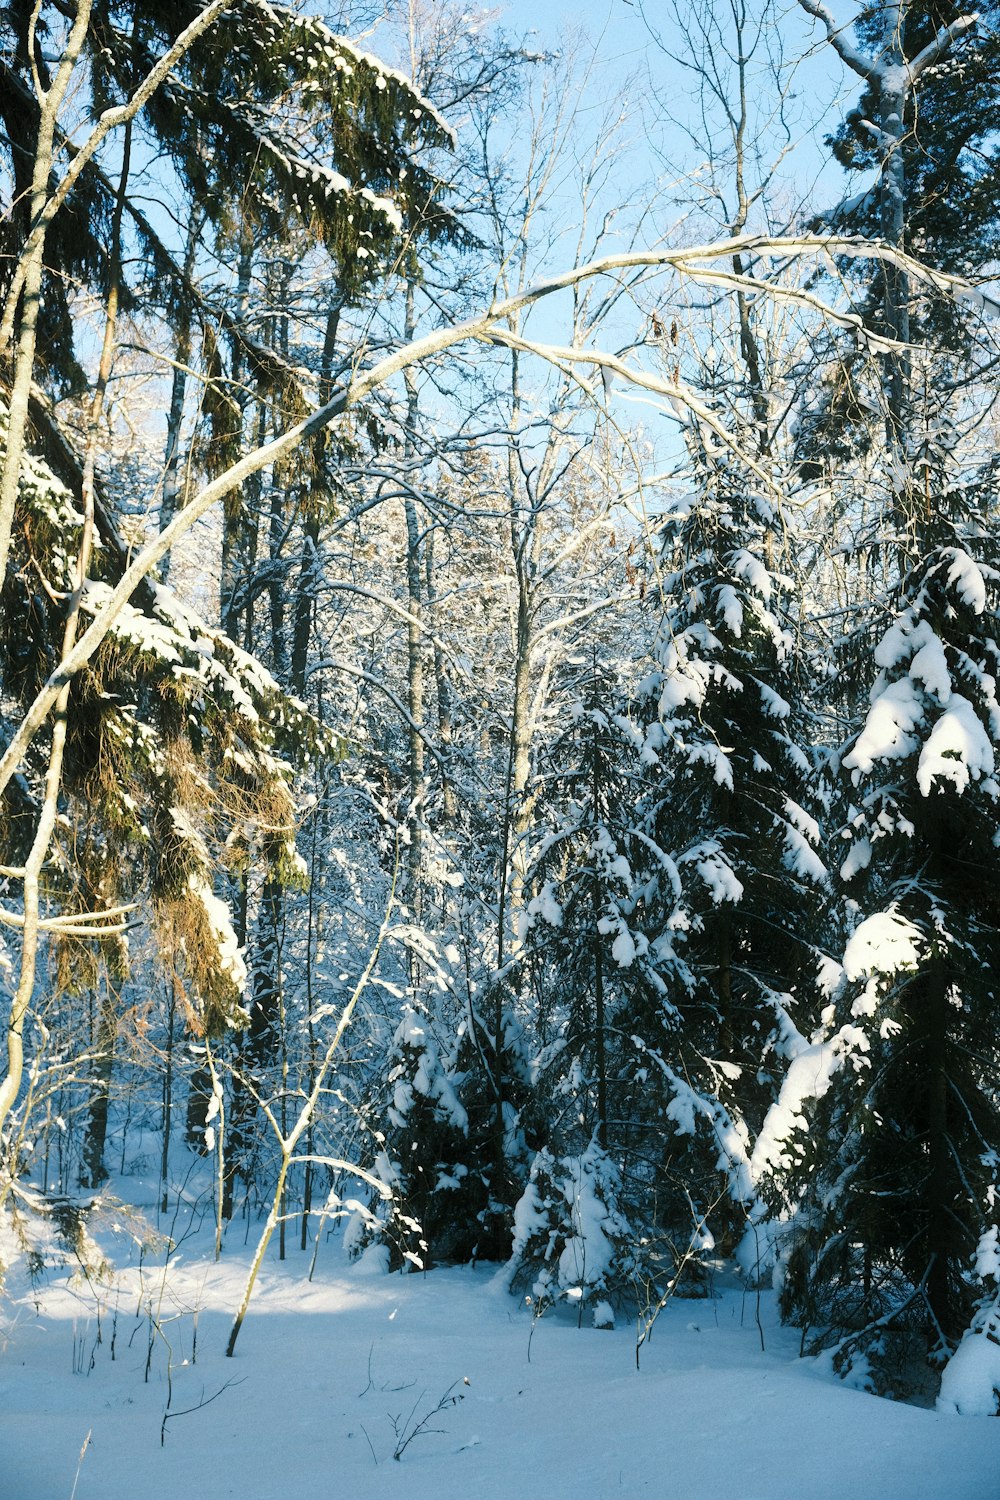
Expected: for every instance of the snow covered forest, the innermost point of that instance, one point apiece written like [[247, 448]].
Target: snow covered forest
[[500, 557]]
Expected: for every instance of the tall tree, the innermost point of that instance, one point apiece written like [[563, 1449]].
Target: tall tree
[[895, 1179], [224, 141], [901, 1173]]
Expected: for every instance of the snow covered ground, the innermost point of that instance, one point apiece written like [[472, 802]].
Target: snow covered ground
[[326, 1373]]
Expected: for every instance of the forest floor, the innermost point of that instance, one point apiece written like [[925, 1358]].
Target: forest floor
[[330, 1375]]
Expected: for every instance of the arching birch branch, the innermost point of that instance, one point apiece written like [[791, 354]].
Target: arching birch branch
[[484, 327]]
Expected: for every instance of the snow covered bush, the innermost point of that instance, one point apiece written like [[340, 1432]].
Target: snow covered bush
[[571, 1238], [970, 1382], [435, 1196]]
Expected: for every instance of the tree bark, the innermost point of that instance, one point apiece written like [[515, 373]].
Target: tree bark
[[414, 638], [178, 387], [92, 1172]]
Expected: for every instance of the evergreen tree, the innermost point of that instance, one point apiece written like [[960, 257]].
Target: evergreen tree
[[950, 163], [427, 1145], [269, 126], [925, 126], [893, 1157], [734, 894], [571, 1237], [585, 951], [899, 1159], [271, 120], [586, 961]]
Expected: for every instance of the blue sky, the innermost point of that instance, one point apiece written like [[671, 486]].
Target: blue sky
[[808, 180], [624, 47]]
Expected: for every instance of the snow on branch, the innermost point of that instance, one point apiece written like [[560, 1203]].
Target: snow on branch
[[110, 119], [346, 56], [879, 73], [940, 44], [849, 54], [483, 327]]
